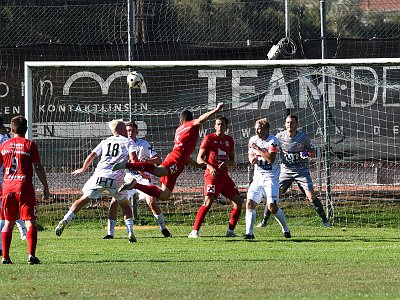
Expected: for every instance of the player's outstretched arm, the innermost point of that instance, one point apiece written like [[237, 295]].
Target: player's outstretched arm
[[204, 117], [89, 159]]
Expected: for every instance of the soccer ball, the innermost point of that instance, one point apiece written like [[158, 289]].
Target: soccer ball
[[134, 80]]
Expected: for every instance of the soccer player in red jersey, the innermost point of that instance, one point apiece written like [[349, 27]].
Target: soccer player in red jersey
[[18, 155], [186, 136], [217, 151]]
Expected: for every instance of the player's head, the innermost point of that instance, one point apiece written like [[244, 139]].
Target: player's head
[[19, 125], [117, 127], [186, 116], [262, 128], [132, 130], [221, 123], [291, 123]]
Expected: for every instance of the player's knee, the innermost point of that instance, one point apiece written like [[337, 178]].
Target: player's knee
[[208, 201], [273, 207], [238, 201]]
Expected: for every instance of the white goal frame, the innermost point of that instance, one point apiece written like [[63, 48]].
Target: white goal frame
[[317, 63], [29, 65]]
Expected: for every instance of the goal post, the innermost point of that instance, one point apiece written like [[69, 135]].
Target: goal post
[[69, 103]]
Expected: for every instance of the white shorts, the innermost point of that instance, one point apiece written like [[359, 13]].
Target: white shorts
[[267, 188], [97, 186], [139, 179]]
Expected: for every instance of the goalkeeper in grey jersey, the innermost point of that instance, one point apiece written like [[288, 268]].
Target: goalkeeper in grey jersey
[[296, 148]]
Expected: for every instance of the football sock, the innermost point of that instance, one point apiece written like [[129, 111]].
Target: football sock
[[31, 236], [1, 228], [129, 225], [235, 214], [6, 242], [151, 190], [160, 220], [201, 215], [250, 218], [320, 210], [68, 216], [280, 217], [267, 214], [141, 166], [21, 228], [111, 226]]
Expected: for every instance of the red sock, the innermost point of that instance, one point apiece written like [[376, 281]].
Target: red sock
[[31, 236], [235, 214], [6, 243], [151, 190], [141, 166], [201, 215]]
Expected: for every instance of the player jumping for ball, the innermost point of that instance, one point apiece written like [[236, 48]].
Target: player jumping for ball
[[185, 140]]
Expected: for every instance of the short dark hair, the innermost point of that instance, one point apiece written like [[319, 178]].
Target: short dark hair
[[19, 125], [186, 116], [132, 124], [222, 118], [293, 117]]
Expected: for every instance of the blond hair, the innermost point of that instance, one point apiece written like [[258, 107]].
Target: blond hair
[[114, 125], [263, 122]]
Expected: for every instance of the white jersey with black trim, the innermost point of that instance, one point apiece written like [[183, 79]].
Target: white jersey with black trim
[[143, 150], [112, 150], [264, 169]]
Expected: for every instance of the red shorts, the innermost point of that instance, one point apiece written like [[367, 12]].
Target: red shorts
[[17, 207], [175, 166], [1, 204], [213, 186]]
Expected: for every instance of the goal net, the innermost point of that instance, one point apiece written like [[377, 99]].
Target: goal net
[[355, 109]]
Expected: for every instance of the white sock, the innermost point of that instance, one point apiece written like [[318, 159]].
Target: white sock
[[21, 226], [68, 216], [129, 225], [280, 217], [160, 220], [250, 218], [111, 226], [1, 228]]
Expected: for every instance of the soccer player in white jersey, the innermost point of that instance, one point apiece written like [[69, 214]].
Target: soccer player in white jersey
[[263, 150], [296, 148], [145, 153], [4, 136], [111, 150]]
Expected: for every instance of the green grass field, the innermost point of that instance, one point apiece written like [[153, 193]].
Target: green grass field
[[317, 263]]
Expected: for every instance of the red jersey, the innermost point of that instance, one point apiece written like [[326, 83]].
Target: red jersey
[[17, 155], [185, 141], [217, 150]]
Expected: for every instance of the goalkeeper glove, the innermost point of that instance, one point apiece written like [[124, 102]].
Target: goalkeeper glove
[[305, 154]]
